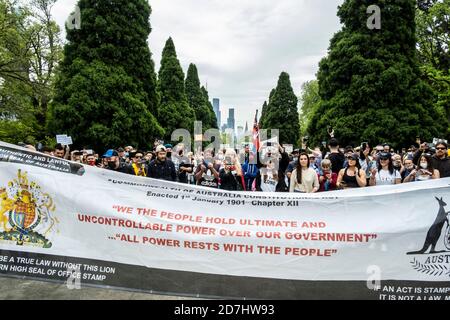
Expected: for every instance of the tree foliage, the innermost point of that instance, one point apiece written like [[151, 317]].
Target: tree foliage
[[370, 81], [174, 111], [30, 50], [310, 102], [106, 90], [198, 99], [433, 43], [282, 111]]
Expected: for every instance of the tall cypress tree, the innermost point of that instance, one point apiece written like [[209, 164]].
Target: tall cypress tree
[[369, 82], [263, 115], [106, 90], [196, 97], [174, 111], [210, 109], [266, 104], [282, 111]]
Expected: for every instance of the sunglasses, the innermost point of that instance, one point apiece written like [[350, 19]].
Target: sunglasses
[[350, 158], [441, 148], [384, 159]]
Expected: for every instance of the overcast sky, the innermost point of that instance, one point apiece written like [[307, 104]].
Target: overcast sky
[[241, 47]]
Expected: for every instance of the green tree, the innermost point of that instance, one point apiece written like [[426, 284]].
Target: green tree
[[196, 98], [433, 43], [310, 102], [263, 115], [282, 111], [106, 90], [370, 81], [265, 106], [210, 109], [174, 112], [30, 50]]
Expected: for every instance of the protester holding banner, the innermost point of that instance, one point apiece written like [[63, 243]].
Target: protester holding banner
[[303, 178]]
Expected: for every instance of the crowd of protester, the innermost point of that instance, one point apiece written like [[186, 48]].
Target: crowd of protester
[[273, 169]]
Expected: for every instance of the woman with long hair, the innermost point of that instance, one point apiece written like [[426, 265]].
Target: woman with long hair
[[385, 174], [303, 178], [425, 170], [352, 176]]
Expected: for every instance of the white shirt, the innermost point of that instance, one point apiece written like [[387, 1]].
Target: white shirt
[[384, 177]]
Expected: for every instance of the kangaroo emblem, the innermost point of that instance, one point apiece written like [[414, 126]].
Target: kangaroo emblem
[[434, 233]]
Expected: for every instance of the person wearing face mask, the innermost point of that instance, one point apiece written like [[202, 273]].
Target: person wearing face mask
[[91, 161], [112, 161], [425, 171], [168, 147]]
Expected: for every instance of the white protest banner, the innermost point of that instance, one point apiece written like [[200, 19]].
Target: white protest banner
[[131, 232], [288, 148], [64, 139]]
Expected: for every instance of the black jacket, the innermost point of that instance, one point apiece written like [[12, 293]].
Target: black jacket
[[443, 165], [229, 181], [162, 170]]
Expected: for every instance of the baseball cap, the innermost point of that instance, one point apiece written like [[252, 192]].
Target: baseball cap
[[385, 155], [110, 153], [353, 156], [160, 148], [168, 146]]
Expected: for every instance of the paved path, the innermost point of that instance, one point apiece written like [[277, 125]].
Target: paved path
[[19, 289]]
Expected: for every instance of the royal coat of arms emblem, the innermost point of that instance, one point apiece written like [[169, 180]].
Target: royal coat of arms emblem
[[26, 213]]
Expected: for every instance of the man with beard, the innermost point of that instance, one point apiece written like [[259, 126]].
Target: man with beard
[[162, 168]]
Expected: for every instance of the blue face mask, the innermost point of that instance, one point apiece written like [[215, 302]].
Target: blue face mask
[[127, 154]]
